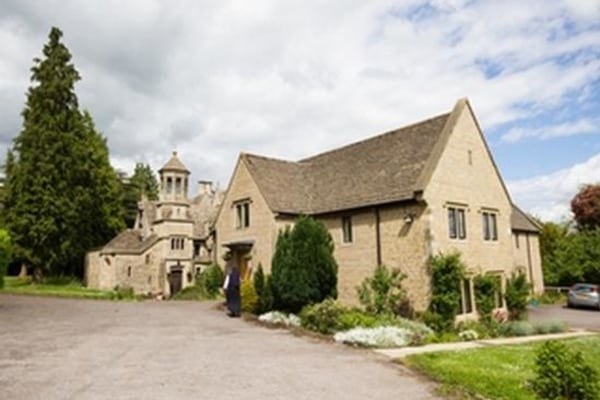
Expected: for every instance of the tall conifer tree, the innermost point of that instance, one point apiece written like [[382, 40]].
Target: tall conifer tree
[[63, 197]]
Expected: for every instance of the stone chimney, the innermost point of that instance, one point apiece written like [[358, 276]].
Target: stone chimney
[[205, 187]]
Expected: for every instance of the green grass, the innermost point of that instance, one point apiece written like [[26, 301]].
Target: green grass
[[499, 372], [195, 292], [54, 287]]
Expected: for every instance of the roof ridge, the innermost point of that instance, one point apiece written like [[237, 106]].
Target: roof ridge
[[377, 136], [245, 154]]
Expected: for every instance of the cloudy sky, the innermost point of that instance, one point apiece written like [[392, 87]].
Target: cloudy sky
[[293, 78]]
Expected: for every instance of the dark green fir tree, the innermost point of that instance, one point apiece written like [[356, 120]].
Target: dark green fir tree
[[63, 197]]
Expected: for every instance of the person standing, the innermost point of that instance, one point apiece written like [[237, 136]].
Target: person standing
[[232, 292]]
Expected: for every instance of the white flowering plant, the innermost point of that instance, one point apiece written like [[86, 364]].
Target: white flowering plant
[[468, 335], [381, 336], [279, 318]]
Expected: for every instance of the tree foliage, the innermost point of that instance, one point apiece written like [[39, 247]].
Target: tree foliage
[[576, 258], [5, 254], [144, 181], [586, 207], [552, 236], [516, 296], [485, 289], [303, 268], [62, 195]]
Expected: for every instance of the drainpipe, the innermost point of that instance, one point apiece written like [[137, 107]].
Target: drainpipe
[[529, 264], [377, 236]]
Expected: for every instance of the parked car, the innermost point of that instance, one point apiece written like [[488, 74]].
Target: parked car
[[584, 295]]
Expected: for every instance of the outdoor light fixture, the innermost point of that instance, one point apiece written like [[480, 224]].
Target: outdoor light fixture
[[409, 217]]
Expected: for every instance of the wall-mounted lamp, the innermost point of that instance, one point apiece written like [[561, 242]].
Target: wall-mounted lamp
[[409, 218]]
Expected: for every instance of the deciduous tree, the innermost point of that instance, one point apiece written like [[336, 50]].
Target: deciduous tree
[[586, 207]]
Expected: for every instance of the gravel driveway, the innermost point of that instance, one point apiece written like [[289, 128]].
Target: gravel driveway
[[82, 349]]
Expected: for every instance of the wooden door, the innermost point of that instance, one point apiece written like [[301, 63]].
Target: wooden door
[[175, 281]]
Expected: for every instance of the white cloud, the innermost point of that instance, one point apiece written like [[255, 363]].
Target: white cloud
[[294, 78], [549, 196], [584, 126]]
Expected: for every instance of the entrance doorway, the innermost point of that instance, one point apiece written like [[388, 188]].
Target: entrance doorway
[[175, 281]]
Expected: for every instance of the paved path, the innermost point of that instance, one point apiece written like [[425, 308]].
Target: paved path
[[83, 349], [576, 317], [406, 351]]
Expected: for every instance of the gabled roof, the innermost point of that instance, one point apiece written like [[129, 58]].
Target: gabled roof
[[129, 241], [378, 170], [174, 164], [519, 221]]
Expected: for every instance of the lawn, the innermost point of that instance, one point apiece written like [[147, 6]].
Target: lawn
[[499, 372], [58, 288]]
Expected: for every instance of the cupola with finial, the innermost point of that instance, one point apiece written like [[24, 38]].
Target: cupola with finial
[[174, 180]]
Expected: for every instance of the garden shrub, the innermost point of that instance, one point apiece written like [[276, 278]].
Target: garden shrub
[[486, 287], [516, 296], [561, 373], [211, 279], [262, 287], [303, 268], [382, 293], [322, 317], [447, 274], [123, 293], [354, 318], [518, 328], [550, 326], [248, 296], [468, 335]]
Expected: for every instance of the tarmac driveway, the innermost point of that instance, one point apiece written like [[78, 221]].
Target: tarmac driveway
[[578, 318], [83, 349]]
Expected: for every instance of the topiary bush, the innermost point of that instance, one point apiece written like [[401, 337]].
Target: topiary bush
[[303, 268], [447, 274], [382, 293], [485, 287], [561, 373], [516, 296]]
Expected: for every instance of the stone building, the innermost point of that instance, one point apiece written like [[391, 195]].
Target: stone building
[[394, 199], [170, 242]]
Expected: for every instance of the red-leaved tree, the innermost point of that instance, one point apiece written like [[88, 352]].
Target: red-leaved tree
[[586, 207]]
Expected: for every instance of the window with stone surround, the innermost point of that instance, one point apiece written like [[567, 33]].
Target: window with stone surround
[[466, 296], [490, 230], [177, 243], [457, 227], [242, 214], [347, 229]]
